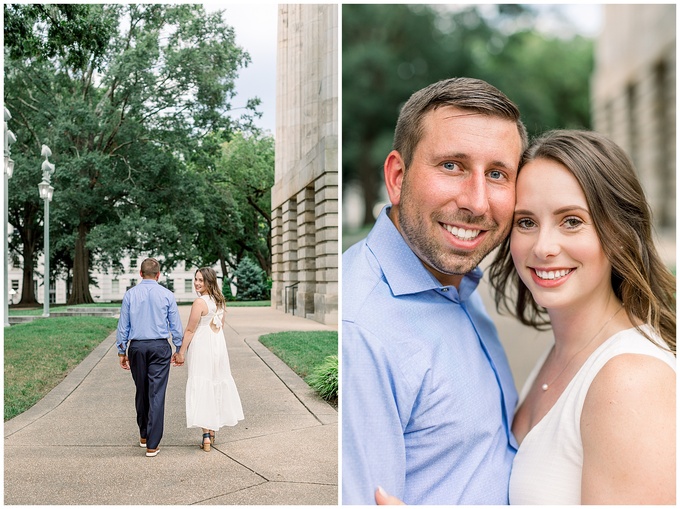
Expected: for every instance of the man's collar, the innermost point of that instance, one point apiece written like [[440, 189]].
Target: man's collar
[[404, 271]]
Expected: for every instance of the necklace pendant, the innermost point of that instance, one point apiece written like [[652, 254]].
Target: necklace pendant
[[544, 387]]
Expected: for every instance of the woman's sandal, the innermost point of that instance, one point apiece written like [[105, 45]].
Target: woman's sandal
[[206, 446], [212, 438]]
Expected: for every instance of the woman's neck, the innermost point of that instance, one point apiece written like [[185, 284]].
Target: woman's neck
[[593, 321]]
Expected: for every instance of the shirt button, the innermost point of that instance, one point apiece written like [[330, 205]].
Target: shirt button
[[445, 289]]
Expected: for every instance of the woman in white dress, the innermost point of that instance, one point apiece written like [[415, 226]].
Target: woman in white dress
[[596, 421], [212, 400]]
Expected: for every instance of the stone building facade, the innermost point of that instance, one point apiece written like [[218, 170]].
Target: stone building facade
[[305, 269], [633, 97]]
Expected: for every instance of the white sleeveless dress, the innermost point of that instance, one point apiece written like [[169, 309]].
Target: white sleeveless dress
[[548, 465], [212, 400]]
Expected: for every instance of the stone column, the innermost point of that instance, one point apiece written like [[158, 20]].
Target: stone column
[[327, 247], [277, 258], [306, 253], [289, 246]]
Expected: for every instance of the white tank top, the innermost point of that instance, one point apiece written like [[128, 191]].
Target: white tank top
[[547, 467]]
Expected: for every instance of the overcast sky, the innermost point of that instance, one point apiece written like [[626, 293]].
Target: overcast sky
[[255, 26]]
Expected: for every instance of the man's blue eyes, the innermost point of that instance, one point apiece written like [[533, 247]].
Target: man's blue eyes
[[494, 174]]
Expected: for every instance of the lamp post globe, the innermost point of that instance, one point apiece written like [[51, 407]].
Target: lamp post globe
[[46, 191], [8, 140]]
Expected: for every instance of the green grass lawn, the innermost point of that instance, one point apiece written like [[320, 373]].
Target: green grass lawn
[[251, 303], [37, 311], [39, 355], [302, 351]]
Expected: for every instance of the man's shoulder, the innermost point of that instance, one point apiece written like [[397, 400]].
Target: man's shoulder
[[167, 293], [361, 274]]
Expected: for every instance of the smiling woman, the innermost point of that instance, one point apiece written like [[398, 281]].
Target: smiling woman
[[580, 251]]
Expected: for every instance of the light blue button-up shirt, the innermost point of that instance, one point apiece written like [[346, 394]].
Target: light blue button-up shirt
[[427, 393], [148, 311]]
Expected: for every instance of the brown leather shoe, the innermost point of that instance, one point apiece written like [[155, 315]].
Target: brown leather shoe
[[142, 442], [152, 452]]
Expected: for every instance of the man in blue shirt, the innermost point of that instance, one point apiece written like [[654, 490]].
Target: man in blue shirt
[[427, 393], [148, 316]]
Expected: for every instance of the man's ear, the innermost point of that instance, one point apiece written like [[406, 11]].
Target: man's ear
[[394, 169]]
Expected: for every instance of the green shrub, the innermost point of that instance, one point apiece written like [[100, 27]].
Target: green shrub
[[324, 378], [251, 281]]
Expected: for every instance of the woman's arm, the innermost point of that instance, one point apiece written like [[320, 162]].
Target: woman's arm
[[198, 308], [628, 433]]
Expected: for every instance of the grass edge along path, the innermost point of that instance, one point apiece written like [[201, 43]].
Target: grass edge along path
[[302, 351], [40, 354], [34, 311]]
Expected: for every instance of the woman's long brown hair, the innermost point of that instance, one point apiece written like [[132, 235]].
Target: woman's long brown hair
[[623, 222], [210, 282]]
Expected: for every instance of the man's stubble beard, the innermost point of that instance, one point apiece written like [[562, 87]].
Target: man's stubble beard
[[445, 260]]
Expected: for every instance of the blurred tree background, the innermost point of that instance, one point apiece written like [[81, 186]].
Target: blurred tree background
[[390, 51]]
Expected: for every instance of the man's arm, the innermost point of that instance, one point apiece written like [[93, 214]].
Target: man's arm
[[373, 452], [175, 324], [123, 332]]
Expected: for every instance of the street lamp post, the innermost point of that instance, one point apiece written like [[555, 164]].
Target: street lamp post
[[46, 191], [9, 138]]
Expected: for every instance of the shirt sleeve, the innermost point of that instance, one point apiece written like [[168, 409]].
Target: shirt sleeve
[[373, 450], [123, 332], [175, 324]]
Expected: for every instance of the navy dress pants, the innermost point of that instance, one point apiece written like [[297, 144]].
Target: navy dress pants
[[150, 366]]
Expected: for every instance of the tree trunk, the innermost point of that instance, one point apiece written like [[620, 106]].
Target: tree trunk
[[29, 238], [80, 293], [369, 178], [28, 288], [265, 263], [223, 264]]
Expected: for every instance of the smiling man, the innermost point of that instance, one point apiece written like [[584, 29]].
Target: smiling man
[[427, 393]]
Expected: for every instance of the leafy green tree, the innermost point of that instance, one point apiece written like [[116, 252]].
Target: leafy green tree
[[246, 176], [33, 42], [125, 96]]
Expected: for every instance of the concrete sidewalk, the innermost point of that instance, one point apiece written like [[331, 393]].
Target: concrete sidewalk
[[79, 445]]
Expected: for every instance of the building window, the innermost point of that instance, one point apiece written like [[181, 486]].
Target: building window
[[115, 286], [133, 263], [171, 285], [188, 285], [15, 284], [133, 282]]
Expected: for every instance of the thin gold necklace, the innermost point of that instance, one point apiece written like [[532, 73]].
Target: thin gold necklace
[[545, 386]]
